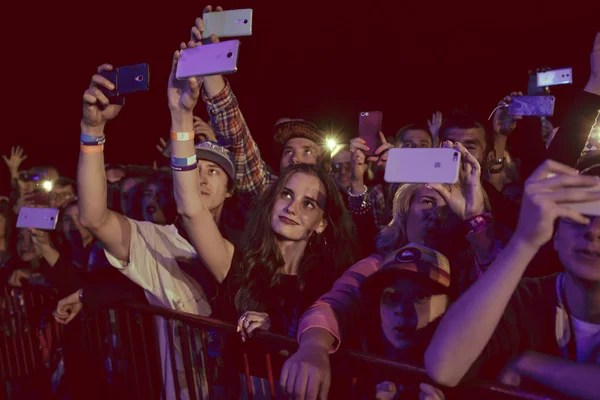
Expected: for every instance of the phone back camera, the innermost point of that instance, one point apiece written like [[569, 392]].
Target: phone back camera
[[139, 78], [245, 21], [51, 218], [455, 158], [229, 55]]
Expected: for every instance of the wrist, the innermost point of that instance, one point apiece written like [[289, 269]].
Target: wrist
[[182, 121], [317, 339], [523, 245], [93, 130], [593, 84], [213, 85], [357, 186]]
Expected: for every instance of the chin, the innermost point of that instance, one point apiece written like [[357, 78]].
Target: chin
[[584, 272]]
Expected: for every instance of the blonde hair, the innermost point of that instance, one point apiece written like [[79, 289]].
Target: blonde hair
[[393, 236]]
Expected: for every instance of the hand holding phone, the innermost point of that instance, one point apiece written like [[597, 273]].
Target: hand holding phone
[[128, 79], [208, 59], [439, 165]]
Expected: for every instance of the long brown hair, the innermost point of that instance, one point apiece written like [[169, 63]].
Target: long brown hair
[[263, 259]]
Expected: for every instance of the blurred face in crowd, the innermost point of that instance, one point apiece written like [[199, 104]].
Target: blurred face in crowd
[[429, 220], [299, 151], [578, 248], [114, 175], [26, 249], [129, 186], [473, 139], [70, 225], [213, 185], [342, 169], [61, 195], [155, 201], [407, 306], [2, 226], [298, 209], [414, 139]]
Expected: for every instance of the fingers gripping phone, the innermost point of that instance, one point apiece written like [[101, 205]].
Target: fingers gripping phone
[[437, 165], [226, 24], [208, 59], [542, 106], [128, 79], [369, 126], [37, 218]]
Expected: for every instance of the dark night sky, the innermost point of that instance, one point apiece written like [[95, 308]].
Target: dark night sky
[[324, 61]]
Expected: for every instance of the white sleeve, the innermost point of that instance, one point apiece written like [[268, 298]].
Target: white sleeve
[[153, 254]]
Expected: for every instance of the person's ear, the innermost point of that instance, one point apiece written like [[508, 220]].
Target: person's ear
[[322, 226]]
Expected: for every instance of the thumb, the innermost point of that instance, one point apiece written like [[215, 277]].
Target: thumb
[[5, 159]]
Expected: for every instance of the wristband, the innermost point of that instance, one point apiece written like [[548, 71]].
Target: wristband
[[91, 149], [89, 140], [182, 136], [180, 168], [184, 161], [479, 223]]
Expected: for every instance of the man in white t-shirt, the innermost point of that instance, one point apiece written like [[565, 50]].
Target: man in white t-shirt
[[148, 254]]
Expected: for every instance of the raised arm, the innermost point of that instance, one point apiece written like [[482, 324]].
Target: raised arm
[[252, 173], [111, 228], [215, 252], [468, 325]]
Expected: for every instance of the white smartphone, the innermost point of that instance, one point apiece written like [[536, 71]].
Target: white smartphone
[[38, 218], [226, 24], [438, 165], [561, 76], [591, 208], [208, 59]]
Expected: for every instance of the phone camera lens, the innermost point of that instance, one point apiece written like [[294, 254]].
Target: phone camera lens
[[51, 218], [245, 21], [229, 55], [139, 78]]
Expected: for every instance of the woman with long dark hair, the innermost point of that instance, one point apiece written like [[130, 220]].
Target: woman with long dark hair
[[298, 240]]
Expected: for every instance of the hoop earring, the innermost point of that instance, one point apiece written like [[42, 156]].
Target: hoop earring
[[323, 243]]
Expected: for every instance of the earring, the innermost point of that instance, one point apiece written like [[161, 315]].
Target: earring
[[323, 243]]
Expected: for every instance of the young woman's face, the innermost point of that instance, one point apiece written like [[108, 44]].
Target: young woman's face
[[429, 218], [405, 307], [155, 202], [298, 210]]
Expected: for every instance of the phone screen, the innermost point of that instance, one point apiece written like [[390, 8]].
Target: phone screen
[[369, 126]]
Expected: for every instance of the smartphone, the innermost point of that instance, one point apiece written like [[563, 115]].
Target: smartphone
[[561, 76], [369, 126], [128, 79], [226, 24], [208, 59], [37, 218], [437, 165], [542, 106]]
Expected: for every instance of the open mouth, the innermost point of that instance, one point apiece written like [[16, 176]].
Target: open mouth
[[151, 209]]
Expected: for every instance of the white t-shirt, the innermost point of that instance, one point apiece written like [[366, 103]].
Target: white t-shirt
[[587, 338], [153, 254]]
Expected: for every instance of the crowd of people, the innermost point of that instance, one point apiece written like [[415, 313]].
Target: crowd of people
[[492, 277]]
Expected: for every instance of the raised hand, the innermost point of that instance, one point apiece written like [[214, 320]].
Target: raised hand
[[434, 125], [548, 191], [198, 29], [466, 197], [182, 95], [203, 131], [97, 110], [164, 148], [17, 156], [504, 123]]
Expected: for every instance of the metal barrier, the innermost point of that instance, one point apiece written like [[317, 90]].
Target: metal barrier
[[140, 351]]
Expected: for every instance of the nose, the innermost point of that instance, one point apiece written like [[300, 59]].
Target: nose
[[592, 232], [291, 208], [405, 310]]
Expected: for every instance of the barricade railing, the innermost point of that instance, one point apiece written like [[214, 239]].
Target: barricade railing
[[149, 352]]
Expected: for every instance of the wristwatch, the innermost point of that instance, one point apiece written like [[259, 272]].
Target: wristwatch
[[496, 166]]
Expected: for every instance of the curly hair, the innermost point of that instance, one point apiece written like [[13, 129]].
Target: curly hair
[[263, 259]]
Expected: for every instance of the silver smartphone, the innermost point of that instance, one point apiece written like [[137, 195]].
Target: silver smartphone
[[553, 77], [38, 218], [208, 59], [227, 24], [438, 165]]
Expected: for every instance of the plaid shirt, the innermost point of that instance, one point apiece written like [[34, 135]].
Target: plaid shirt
[[252, 173]]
